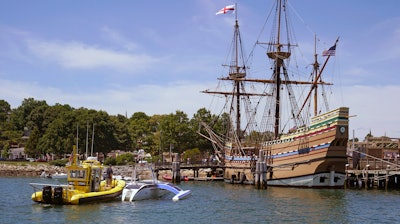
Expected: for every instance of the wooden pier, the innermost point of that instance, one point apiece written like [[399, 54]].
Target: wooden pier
[[368, 172], [176, 168], [373, 179], [365, 172]]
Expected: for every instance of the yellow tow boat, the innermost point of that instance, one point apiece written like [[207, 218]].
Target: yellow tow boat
[[84, 185]]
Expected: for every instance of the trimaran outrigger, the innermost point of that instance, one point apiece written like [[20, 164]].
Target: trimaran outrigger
[[312, 153]]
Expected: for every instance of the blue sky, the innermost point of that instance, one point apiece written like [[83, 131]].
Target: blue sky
[[156, 56]]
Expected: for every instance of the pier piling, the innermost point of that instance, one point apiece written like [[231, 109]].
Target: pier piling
[[260, 179], [176, 169]]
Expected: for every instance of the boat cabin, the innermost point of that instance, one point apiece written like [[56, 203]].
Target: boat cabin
[[85, 177]]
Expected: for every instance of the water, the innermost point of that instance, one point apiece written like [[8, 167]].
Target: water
[[211, 202]]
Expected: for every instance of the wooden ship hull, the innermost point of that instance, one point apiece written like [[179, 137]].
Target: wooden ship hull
[[308, 157]]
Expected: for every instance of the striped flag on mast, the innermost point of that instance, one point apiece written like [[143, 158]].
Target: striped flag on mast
[[330, 52], [226, 10]]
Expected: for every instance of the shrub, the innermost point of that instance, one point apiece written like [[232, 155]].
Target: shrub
[[193, 154], [124, 159], [110, 161], [59, 162]]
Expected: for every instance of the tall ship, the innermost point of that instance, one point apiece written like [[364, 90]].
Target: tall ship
[[272, 130]]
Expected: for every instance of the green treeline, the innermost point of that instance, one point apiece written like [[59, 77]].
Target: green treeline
[[44, 129]]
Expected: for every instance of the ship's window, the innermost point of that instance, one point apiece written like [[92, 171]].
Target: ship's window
[[77, 174]]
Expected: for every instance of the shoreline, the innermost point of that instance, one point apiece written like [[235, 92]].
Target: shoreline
[[28, 170], [36, 169]]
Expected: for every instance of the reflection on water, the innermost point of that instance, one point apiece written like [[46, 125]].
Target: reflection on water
[[306, 205], [287, 204], [211, 202]]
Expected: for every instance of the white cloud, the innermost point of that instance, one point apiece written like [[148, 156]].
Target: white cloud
[[75, 55], [115, 37], [375, 107], [151, 99]]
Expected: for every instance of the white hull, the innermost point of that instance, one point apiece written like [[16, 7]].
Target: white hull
[[137, 191], [151, 189], [54, 176], [142, 191], [119, 177], [311, 181], [59, 176]]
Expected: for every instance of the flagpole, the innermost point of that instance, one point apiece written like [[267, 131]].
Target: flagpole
[[316, 79], [236, 17]]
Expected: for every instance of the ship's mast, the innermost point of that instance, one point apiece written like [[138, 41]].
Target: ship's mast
[[315, 71], [318, 74], [278, 55], [278, 52], [237, 74]]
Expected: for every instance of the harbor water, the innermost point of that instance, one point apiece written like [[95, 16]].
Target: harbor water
[[211, 202]]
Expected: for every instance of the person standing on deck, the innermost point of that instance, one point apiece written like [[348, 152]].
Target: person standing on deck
[[109, 174]]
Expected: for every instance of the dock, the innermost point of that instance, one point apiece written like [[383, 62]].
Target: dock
[[215, 172], [368, 172]]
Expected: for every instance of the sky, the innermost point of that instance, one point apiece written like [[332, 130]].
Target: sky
[[155, 57]]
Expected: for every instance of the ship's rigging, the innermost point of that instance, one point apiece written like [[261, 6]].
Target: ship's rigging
[[279, 50], [288, 143]]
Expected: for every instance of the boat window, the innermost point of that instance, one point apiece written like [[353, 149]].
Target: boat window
[[77, 174]]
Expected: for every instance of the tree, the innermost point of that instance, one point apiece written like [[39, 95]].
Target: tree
[[156, 140], [184, 137], [175, 132], [201, 142], [105, 140], [141, 131], [31, 148], [122, 133], [60, 135], [20, 115], [36, 118], [194, 155], [55, 129], [5, 111]]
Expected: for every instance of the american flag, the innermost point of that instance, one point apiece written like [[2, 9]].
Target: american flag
[[330, 52], [227, 9]]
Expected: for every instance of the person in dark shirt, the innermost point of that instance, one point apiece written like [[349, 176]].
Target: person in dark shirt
[[109, 175]]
